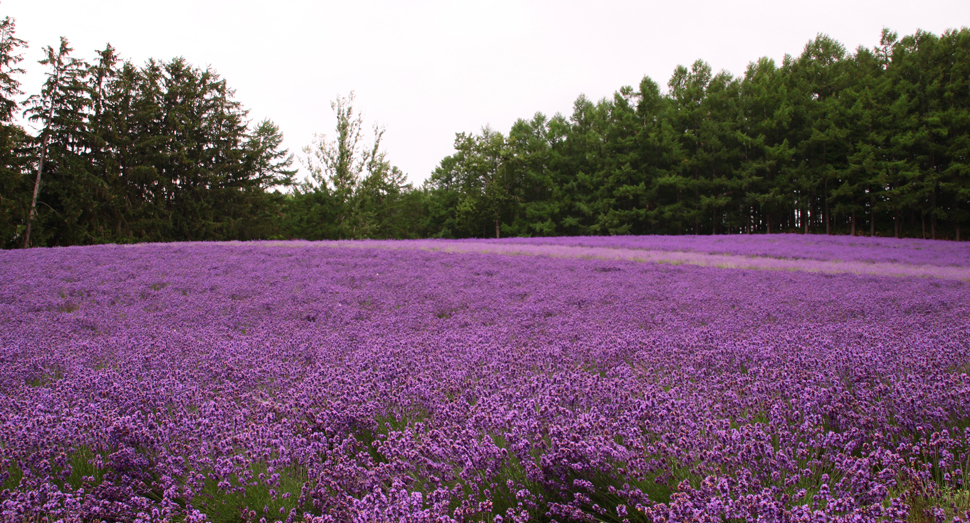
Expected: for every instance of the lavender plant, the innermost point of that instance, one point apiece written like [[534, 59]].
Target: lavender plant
[[309, 382]]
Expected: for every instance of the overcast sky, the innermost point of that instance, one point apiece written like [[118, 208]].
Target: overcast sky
[[426, 69]]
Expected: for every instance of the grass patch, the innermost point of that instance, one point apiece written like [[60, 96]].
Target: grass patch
[[69, 470], [928, 500], [961, 368], [445, 313], [68, 306], [81, 470], [259, 491], [46, 377], [10, 477]]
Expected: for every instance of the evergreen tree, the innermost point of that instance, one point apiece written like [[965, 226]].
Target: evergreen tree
[[583, 167], [530, 156], [60, 108], [10, 57], [764, 174], [818, 81], [955, 115], [270, 166], [621, 206], [14, 143], [687, 114]]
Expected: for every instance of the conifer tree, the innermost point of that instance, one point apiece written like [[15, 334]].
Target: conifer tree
[[818, 75], [10, 57], [956, 116], [14, 143], [763, 175], [687, 115], [60, 110]]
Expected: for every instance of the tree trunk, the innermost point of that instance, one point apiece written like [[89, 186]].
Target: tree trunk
[[853, 224], [923, 220], [872, 224], [828, 226], [40, 169], [497, 229], [933, 226]]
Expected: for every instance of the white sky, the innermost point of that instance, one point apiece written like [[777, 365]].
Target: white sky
[[426, 69]]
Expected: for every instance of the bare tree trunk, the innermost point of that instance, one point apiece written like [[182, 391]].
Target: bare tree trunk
[[496, 229], [853, 224], [872, 224], [40, 169], [828, 226], [958, 226]]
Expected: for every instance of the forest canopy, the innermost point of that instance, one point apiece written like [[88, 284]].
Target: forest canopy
[[875, 141]]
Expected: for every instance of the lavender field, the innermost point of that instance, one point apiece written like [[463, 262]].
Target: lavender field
[[477, 381]]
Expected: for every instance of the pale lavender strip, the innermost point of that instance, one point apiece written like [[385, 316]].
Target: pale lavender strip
[[785, 246], [668, 257]]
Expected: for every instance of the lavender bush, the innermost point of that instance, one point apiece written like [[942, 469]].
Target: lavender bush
[[309, 382]]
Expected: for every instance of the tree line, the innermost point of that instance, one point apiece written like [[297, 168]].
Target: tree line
[[160, 152], [874, 142], [871, 142]]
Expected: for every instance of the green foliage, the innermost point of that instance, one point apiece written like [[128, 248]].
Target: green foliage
[[10, 57], [14, 171], [268, 492], [126, 154], [873, 141], [16, 184], [353, 192]]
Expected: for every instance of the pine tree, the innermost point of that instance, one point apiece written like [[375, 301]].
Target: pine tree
[[530, 145], [10, 57], [14, 142], [687, 114], [763, 174], [270, 166], [955, 114], [818, 81], [60, 109]]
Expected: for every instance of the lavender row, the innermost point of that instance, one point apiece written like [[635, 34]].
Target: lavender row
[[304, 382], [724, 261], [787, 246]]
